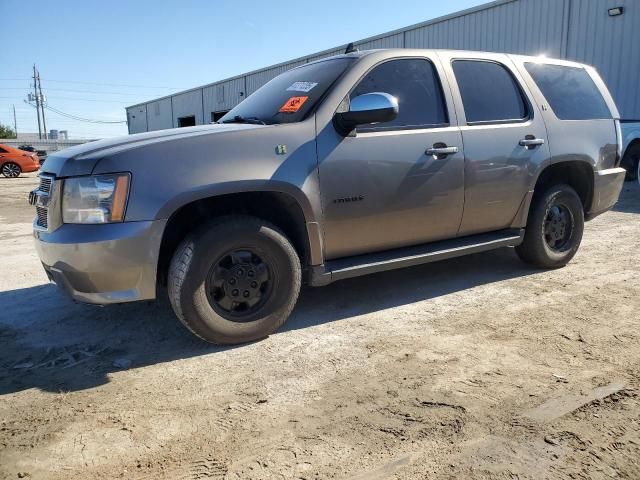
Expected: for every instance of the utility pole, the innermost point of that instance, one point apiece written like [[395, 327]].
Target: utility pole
[[44, 122], [35, 94], [15, 123]]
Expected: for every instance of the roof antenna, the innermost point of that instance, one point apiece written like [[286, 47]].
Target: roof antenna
[[350, 48]]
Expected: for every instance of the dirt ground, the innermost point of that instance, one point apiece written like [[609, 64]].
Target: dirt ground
[[478, 367]]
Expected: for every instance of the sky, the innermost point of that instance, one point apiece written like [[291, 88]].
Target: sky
[[97, 57]]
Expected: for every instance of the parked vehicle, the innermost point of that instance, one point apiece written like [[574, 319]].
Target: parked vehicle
[[13, 161], [42, 154], [343, 167], [631, 149]]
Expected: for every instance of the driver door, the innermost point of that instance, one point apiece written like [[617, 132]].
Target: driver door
[[381, 188]]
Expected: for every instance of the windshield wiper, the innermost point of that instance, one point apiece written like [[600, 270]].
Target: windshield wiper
[[241, 119]]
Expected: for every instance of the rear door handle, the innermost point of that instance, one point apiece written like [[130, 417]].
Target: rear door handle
[[531, 141], [441, 150]]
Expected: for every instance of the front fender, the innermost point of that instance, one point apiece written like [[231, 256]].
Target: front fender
[[311, 218], [242, 186]]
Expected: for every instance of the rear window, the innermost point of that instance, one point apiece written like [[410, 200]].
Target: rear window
[[570, 91], [489, 92]]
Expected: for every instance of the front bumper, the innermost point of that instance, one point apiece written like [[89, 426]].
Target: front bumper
[[102, 264], [606, 190]]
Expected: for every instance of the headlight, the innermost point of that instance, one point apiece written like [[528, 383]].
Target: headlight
[[95, 199]]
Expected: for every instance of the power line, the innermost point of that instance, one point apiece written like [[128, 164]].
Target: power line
[[79, 119], [94, 83], [123, 102], [77, 91]]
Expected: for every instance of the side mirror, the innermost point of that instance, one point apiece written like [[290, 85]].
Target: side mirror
[[375, 107]]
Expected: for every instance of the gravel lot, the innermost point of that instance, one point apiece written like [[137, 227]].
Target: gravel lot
[[476, 367]]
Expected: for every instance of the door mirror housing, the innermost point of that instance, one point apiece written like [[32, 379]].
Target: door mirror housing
[[375, 107]]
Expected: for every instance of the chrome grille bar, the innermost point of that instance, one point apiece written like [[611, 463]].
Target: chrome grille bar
[[43, 194]]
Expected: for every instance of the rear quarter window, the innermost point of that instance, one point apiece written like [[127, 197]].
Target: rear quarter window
[[570, 91]]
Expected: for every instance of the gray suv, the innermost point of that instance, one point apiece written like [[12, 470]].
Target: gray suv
[[346, 166]]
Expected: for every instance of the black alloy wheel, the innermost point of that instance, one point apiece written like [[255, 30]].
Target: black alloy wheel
[[558, 227], [239, 284]]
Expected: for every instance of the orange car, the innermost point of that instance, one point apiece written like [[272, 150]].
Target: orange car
[[13, 161]]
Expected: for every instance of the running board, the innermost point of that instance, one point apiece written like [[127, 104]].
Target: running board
[[409, 256]]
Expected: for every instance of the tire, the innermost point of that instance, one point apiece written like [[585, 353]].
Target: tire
[[207, 262], [547, 243], [631, 162], [11, 170]]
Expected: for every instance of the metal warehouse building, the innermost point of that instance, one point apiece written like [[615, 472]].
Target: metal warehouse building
[[597, 32]]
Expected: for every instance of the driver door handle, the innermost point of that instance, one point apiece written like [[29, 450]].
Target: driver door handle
[[441, 150], [531, 141]]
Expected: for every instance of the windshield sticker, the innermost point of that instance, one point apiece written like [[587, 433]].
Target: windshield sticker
[[293, 104], [301, 87]]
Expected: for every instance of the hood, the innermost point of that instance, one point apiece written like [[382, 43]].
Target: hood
[[81, 159]]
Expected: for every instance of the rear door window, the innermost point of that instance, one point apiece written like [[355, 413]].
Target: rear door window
[[489, 92], [415, 84], [570, 91]]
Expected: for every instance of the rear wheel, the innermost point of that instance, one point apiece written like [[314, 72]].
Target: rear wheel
[[554, 228], [11, 170], [631, 162], [235, 280]]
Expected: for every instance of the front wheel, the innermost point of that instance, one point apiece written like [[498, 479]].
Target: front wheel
[[11, 170], [234, 280], [554, 228]]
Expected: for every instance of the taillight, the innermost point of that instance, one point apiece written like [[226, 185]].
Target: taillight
[[619, 142]]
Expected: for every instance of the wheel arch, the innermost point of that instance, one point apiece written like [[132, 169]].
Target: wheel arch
[[626, 157], [287, 209], [579, 174]]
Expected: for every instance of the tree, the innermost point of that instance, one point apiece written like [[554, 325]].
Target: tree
[[6, 132]]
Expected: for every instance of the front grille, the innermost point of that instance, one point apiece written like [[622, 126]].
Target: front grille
[[45, 184], [41, 213], [45, 192]]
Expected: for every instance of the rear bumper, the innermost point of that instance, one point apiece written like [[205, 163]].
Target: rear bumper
[[606, 190], [102, 264]]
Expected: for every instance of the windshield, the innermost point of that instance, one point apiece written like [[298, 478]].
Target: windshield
[[290, 96]]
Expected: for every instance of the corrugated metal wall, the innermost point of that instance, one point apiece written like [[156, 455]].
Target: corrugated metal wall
[[612, 45], [159, 114], [525, 26], [187, 104], [579, 30], [137, 119], [222, 96]]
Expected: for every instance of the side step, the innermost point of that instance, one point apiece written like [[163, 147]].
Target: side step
[[409, 256]]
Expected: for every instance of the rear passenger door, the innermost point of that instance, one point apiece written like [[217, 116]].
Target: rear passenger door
[[504, 137]]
